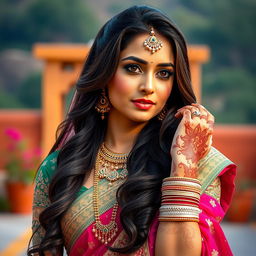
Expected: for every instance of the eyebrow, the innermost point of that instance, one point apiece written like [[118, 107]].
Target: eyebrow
[[139, 60]]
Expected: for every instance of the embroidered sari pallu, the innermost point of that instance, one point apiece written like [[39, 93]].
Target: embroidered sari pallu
[[216, 174], [78, 222]]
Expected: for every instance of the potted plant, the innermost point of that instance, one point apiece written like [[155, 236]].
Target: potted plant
[[20, 171]]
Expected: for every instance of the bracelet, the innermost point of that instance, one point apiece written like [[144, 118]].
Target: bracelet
[[180, 199], [166, 219], [182, 183], [182, 179], [173, 193]]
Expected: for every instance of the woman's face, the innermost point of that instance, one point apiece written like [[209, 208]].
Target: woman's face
[[141, 76]]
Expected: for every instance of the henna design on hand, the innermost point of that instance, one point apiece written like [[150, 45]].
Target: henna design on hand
[[195, 142], [192, 146]]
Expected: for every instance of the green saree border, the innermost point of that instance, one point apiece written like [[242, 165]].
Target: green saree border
[[211, 166], [80, 215]]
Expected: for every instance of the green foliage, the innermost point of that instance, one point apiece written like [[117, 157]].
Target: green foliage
[[230, 95], [118, 6], [29, 92], [26, 22], [9, 101], [27, 95], [227, 28], [4, 204]]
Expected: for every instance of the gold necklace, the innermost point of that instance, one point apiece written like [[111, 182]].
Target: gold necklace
[[106, 232], [112, 162]]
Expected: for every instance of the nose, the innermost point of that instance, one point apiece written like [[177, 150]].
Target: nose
[[147, 85]]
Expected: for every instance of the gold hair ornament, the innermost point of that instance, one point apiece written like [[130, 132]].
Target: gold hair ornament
[[152, 43]]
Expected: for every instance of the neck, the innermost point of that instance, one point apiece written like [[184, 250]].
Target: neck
[[121, 133]]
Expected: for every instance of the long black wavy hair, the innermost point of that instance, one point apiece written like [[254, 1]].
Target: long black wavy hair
[[149, 160]]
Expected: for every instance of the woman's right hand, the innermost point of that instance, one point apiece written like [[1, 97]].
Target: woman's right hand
[[192, 140]]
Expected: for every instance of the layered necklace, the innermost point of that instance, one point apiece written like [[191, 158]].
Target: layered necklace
[[107, 165]]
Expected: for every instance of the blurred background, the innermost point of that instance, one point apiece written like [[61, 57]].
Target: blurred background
[[227, 27], [228, 90]]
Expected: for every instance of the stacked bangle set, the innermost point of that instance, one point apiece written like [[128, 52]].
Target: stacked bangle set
[[180, 199]]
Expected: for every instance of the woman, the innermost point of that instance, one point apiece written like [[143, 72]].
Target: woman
[[132, 171]]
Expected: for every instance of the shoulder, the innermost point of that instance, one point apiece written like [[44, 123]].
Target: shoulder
[[48, 166]]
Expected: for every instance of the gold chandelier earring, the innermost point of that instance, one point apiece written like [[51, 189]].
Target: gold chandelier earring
[[103, 105], [161, 116]]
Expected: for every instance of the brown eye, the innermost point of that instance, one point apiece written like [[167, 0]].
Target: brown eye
[[164, 74], [133, 68]]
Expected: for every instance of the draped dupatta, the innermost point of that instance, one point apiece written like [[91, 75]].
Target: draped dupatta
[[216, 174]]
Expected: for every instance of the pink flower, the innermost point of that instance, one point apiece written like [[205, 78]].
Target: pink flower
[[38, 152], [21, 161], [11, 147], [27, 156], [13, 134]]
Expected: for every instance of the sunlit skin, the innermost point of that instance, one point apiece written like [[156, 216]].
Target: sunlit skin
[[140, 74], [192, 140]]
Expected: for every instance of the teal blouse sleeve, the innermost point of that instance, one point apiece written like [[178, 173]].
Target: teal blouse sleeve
[[41, 197], [42, 180]]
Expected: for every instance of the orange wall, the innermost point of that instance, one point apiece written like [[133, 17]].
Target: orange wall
[[26, 121], [236, 142]]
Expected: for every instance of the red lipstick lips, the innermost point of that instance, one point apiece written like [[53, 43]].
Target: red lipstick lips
[[143, 103]]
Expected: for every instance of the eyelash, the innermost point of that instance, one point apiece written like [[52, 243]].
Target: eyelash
[[129, 66]]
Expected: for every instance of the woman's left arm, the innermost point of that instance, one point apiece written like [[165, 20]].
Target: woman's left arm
[[178, 238], [191, 142]]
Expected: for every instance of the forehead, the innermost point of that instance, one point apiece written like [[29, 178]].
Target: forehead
[[136, 48]]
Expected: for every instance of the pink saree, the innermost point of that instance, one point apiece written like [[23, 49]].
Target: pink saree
[[217, 177]]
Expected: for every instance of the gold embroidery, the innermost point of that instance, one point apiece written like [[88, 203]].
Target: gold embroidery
[[214, 190], [41, 199], [212, 202], [80, 214], [122, 241], [41, 191], [214, 253], [218, 218], [210, 224], [40, 202], [37, 229]]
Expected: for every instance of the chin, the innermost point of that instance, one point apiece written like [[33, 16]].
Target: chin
[[140, 119]]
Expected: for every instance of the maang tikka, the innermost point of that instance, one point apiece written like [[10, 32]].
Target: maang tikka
[[103, 105], [152, 43]]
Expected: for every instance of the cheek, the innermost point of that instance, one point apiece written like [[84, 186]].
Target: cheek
[[165, 92], [120, 84]]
